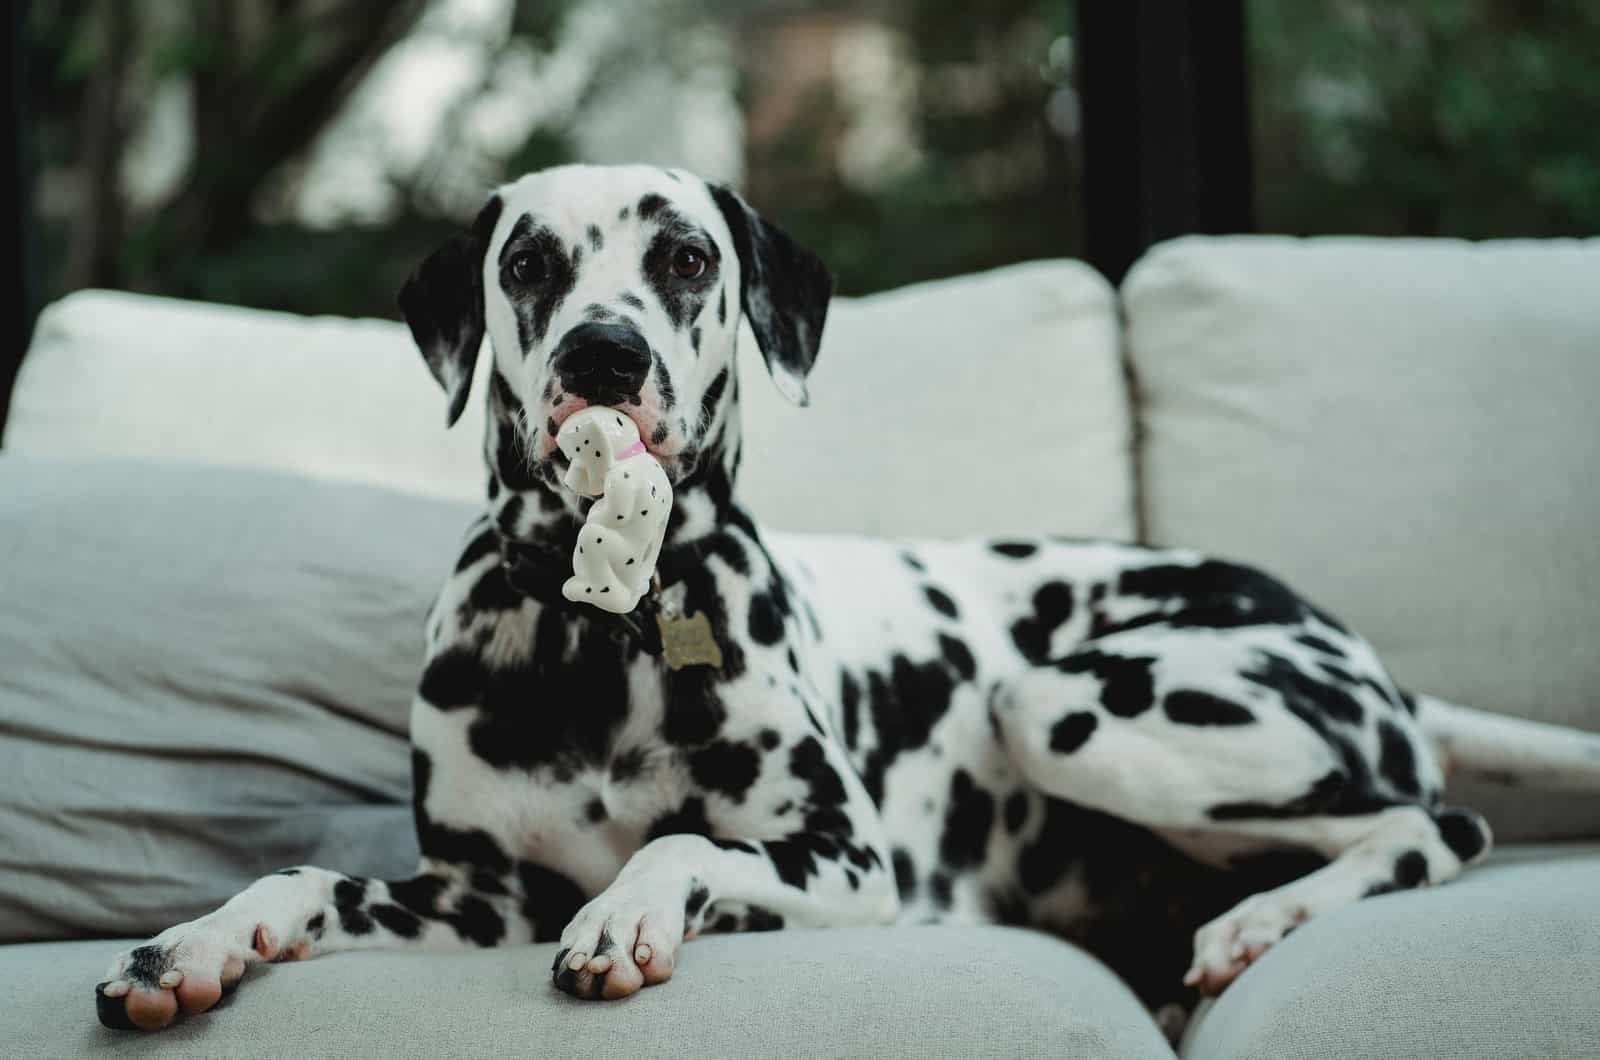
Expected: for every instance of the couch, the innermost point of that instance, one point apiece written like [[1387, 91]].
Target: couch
[[220, 528]]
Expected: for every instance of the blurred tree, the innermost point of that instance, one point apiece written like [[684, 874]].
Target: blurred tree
[[1472, 118], [983, 171]]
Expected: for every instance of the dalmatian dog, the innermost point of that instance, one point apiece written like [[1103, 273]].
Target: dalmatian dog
[[1169, 759]]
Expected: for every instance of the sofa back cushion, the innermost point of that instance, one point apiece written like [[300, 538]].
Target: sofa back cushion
[[1405, 430], [206, 676], [914, 393]]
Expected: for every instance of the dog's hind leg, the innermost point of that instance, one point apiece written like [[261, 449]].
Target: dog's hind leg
[[1206, 737], [1395, 849], [294, 914]]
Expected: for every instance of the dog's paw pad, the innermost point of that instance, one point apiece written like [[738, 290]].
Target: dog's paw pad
[[615, 947], [1228, 945], [185, 970]]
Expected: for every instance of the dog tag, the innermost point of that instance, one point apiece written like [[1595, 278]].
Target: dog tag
[[686, 640]]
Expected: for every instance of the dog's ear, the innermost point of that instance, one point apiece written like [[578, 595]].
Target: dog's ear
[[443, 304], [785, 292]]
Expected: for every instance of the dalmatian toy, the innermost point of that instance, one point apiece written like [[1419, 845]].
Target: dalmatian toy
[[1169, 759], [618, 545]]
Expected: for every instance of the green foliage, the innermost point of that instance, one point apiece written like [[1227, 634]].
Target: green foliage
[[1473, 118]]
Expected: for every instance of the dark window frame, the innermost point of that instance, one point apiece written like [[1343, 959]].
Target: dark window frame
[[1166, 125]]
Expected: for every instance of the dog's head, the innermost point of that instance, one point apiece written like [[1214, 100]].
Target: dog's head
[[621, 286]]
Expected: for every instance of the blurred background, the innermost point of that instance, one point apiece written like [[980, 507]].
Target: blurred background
[[304, 154]]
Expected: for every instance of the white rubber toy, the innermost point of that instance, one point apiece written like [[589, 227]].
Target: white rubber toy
[[621, 539]]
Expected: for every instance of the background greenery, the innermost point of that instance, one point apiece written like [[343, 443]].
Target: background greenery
[[1472, 118]]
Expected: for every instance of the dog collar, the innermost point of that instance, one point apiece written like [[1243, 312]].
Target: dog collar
[[536, 574]]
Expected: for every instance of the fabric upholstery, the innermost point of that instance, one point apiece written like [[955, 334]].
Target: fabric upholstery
[[1405, 431], [207, 676], [864, 993], [1501, 964]]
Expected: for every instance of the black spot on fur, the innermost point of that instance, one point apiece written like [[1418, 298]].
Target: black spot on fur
[[728, 768], [397, 920], [941, 601], [967, 821], [1307, 697], [1397, 763], [769, 739], [627, 765], [1410, 870], [766, 619], [596, 240], [650, 205], [1214, 595], [912, 561], [1052, 606], [905, 877], [1016, 811], [315, 925], [759, 919], [939, 886], [348, 895], [1192, 707], [1072, 731], [595, 810], [959, 656], [1127, 688], [1463, 831], [535, 303], [850, 708], [628, 298], [688, 819], [1014, 549], [1331, 794], [550, 900], [698, 896], [905, 704]]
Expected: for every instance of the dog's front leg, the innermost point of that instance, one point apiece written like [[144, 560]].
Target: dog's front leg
[[834, 872], [292, 915]]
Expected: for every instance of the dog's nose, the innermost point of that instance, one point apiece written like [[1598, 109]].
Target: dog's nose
[[602, 363]]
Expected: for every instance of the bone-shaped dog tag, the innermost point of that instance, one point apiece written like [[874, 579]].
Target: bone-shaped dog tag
[[686, 640]]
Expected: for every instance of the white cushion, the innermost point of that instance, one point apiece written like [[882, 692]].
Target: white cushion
[[121, 374], [1406, 431], [986, 404], [937, 410]]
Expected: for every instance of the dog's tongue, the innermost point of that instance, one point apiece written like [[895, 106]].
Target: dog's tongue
[[617, 548]]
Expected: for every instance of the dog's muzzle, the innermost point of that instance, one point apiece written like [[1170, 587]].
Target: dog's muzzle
[[605, 364]]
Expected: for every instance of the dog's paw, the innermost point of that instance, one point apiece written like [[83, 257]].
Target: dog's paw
[[625, 939], [1228, 945], [188, 968]]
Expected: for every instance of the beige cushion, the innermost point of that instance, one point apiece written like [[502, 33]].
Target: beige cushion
[[869, 993], [1502, 964], [986, 404], [1405, 430]]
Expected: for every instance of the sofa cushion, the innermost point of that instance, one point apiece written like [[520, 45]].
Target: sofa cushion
[[864, 992], [1501, 963], [1405, 430], [207, 676], [914, 394]]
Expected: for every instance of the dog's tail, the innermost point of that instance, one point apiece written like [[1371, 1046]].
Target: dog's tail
[[1507, 750]]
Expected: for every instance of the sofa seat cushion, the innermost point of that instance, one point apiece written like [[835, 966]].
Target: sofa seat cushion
[[1501, 964], [1405, 431], [872, 992]]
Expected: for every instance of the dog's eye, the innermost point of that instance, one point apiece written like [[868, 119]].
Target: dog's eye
[[688, 263], [526, 267]]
